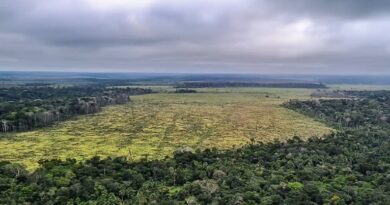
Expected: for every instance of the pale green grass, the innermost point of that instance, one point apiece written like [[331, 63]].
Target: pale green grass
[[155, 125]]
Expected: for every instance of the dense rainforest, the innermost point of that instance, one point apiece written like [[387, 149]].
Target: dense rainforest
[[350, 166], [358, 109], [27, 107]]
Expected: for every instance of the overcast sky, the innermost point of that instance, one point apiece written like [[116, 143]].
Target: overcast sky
[[239, 36]]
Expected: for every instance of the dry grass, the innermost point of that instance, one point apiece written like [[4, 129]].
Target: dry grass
[[157, 124]]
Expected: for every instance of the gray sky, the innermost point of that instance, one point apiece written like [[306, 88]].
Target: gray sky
[[239, 36]]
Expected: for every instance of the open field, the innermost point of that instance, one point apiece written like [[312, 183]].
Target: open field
[[155, 125]]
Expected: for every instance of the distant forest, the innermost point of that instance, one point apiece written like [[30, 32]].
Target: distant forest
[[350, 166], [246, 84]]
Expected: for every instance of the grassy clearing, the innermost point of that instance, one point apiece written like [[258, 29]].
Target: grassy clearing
[[157, 124]]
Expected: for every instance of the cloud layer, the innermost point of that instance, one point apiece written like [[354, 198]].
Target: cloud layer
[[259, 36]]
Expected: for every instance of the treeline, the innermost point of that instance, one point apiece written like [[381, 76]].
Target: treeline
[[23, 93], [366, 109], [326, 93], [185, 91], [25, 108], [246, 84], [351, 166]]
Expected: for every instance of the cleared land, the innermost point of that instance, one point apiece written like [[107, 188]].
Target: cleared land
[[155, 125]]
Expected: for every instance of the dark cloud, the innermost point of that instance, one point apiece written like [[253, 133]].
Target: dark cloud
[[279, 36], [332, 8]]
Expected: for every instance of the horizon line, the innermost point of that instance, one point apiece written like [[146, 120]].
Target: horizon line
[[193, 73]]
